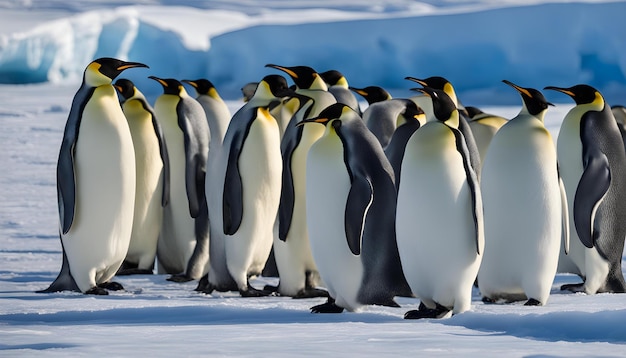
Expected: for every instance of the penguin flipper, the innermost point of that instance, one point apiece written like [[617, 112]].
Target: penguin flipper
[[565, 234], [65, 281], [359, 200], [592, 187], [290, 141], [474, 186], [165, 197], [195, 158]]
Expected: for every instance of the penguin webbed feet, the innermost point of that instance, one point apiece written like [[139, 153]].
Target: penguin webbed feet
[[254, 292], [179, 278], [134, 271], [573, 287], [311, 292], [204, 286], [424, 312], [328, 307], [103, 289], [533, 302]]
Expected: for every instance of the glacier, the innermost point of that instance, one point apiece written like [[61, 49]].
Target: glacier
[[534, 45]]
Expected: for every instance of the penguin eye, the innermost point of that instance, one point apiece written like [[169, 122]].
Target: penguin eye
[[336, 124]]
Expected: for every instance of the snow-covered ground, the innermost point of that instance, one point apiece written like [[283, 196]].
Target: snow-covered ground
[[155, 317]]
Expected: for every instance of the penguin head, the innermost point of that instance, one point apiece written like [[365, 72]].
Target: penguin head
[[443, 107], [332, 115], [204, 87], [439, 83], [473, 111], [303, 76], [410, 114], [334, 78], [272, 87], [104, 70], [125, 87], [372, 94], [248, 90], [534, 101], [581, 94], [170, 85]]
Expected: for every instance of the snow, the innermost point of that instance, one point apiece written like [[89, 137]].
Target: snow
[[159, 318]]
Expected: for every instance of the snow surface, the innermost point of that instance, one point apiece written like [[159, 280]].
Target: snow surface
[[155, 317]]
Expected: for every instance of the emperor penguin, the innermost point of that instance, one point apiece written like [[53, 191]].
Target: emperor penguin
[[440, 83], [372, 94], [339, 87], [409, 120], [484, 127], [593, 167], [439, 215], [381, 118], [95, 184], [309, 83], [248, 90], [524, 202], [299, 277], [350, 209], [249, 174], [183, 247], [152, 179]]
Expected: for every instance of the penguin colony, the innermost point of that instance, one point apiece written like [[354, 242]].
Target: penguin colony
[[417, 197]]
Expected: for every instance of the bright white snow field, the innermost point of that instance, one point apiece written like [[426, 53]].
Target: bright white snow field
[[45, 45]]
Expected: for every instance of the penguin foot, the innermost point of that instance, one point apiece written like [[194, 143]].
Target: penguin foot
[[425, 312], [488, 300], [97, 291], [204, 286], [311, 292], [328, 307], [180, 278], [134, 271], [533, 302], [253, 292], [271, 289], [111, 286], [573, 287]]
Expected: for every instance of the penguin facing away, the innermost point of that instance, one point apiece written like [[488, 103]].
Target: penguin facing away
[[339, 87], [439, 215], [183, 247], [95, 184], [353, 244], [520, 173], [593, 167], [152, 179], [381, 118], [249, 174]]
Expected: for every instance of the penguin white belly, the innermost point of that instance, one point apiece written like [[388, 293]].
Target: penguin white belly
[[569, 151], [148, 214], [104, 164], [293, 256], [178, 238], [435, 228], [522, 213], [260, 167], [327, 188]]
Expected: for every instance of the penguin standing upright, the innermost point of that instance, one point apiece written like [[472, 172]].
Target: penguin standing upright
[[593, 167], [520, 174], [350, 209], [152, 193], [439, 215], [339, 87], [183, 247], [443, 84], [381, 118], [95, 183], [249, 173], [484, 127]]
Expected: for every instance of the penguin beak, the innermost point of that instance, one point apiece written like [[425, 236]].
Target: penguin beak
[[127, 65], [320, 120], [118, 88], [417, 80], [192, 83], [519, 89], [422, 90], [358, 91], [161, 81], [562, 90], [287, 70]]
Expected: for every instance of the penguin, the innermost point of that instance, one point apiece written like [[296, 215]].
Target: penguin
[[593, 167], [350, 211], [299, 277], [152, 179], [183, 247], [339, 87], [309, 83], [484, 126], [248, 90], [443, 84], [439, 215], [249, 174], [619, 112], [95, 184], [410, 120], [381, 118], [520, 173], [372, 94]]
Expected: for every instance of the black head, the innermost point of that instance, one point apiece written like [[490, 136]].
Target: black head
[[125, 87], [202, 86], [581, 94], [277, 85], [331, 77], [372, 94], [328, 114], [170, 85], [442, 103], [435, 82], [412, 110], [303, 76], [112, 67], [533, 99], [473, 111]]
